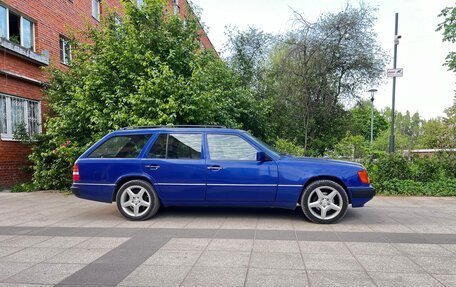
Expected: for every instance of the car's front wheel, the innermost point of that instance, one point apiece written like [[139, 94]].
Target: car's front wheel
[[137, 200], [324, 201]]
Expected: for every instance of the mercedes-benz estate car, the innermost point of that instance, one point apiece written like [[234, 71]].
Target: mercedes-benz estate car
[[144, 168]]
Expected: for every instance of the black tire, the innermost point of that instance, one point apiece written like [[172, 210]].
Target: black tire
[[149, 195], [340, 199]]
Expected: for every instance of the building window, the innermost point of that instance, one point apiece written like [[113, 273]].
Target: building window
[[65, 50], [16, 111], [16, 28], [176, 7], [96, 9]]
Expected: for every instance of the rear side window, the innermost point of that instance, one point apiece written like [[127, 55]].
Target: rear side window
[[128, 146], [177, 146]]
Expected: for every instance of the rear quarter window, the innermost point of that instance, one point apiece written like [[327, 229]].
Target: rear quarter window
[[127, 146]]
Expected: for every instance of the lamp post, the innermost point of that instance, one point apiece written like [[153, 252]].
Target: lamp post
[[372, 91]]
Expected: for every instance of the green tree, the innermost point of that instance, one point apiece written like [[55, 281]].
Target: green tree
[[247, 54], [360, 120], [317, 69], [448, 29], [146, 70]]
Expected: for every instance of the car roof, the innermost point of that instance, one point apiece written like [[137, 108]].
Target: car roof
[[143, 130]]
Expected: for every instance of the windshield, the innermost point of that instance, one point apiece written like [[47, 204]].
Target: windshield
[[271, 149]]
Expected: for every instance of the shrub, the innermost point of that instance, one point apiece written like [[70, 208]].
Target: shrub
[[390, 167], [24, 187], [426, 169], [289, 147], [53, 163], [442, 187]]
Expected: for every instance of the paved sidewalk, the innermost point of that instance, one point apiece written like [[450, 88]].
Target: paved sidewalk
[[52, 239]]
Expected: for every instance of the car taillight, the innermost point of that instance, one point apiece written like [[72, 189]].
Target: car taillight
[[76, 173], [363, 176]]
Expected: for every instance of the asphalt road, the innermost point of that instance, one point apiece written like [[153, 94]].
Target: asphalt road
[[53, 239]]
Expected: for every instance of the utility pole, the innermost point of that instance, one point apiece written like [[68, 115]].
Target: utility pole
[[372, 91], [396, 43]]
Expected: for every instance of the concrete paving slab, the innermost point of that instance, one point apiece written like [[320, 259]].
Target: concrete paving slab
[[411, 249], [32, 255], [259, 277], [78, 255], [215, 276], [276, 260], [395, 263], [195, 244], [154, 275], [437, 265], [8, 269], [275, 246], [372, 248], [339, 278], [231, 244], [44, 273], [447, 280], [224, 259], [23, 241], [404, 279], [323, 247], [331, 262], [61, 242], [174, 258]]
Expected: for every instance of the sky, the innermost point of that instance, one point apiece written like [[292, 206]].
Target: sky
[[427, 87]]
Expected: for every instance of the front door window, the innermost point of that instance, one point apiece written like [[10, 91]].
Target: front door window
[[229, 147]]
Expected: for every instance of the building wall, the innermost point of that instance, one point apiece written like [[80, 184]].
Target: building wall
[[23, 78]]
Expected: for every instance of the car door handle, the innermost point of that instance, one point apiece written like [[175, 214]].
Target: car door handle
[[214, 167], [152, 166]]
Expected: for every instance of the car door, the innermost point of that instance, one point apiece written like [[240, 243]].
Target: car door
[[176, 164], [233, 172]]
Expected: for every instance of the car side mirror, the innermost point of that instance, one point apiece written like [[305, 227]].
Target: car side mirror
[[261, 156]]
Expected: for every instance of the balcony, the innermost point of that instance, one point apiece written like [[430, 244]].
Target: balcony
[[27, 54]]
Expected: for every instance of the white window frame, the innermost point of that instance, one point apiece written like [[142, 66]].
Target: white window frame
[[67, 43], [9, 135], [21, 31], [97, 4], [176, 7]]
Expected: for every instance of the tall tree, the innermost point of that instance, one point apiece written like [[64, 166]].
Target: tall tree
[[147, 69], [448, 29], [321, 66]]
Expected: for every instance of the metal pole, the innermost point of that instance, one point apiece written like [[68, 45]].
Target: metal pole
[[372, 91], [396, 42], [372, 119]]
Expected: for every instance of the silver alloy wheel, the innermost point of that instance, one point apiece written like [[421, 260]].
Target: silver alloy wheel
[[135, 201], [325, 202]]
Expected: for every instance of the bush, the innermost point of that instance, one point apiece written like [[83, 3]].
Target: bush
[[289, 147], [442, 187], [24, 187], [390, 167], [53, 163], [400, 175]]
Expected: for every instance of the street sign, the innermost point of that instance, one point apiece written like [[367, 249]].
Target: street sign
[[399, 72]]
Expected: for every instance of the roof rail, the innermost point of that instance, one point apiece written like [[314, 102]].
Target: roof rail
[[174, 126]]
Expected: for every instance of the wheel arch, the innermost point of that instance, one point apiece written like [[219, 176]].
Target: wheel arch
[[325, 177], [128, 178]]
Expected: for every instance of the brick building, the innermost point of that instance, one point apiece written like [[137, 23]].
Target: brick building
[[32, 36]]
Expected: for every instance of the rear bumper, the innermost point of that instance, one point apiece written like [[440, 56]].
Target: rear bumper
[[103, 193], [361, 195]]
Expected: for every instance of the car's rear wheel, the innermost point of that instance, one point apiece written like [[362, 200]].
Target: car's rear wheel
[[137, 200], [324, 201]]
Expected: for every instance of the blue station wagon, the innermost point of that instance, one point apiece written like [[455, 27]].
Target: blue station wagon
[[144, 168]]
